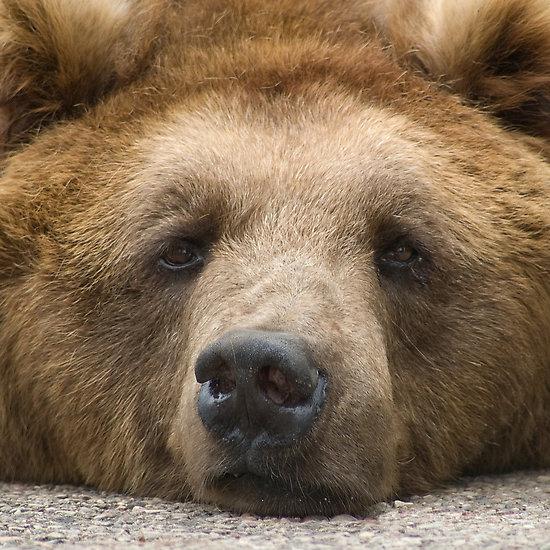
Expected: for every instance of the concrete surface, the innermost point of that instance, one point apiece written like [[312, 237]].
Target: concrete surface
[[511, 511]]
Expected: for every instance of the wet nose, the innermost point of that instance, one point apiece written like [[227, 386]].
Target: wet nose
[[259, 387]]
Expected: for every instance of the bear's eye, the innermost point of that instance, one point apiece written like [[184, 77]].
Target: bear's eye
[[402, 253], [401, 258], [180, 256]]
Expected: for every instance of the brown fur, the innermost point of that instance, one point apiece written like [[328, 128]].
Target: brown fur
[[60, 57], [495, 53], [295, 141]]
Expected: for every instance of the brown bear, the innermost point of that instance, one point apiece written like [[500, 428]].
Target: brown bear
[[284, 256]]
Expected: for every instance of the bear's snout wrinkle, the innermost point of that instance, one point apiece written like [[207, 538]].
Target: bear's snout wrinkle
[[259, 389]]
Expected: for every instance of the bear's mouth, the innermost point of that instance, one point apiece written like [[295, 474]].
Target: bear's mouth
[[255, 471], [248, 480], [246, 491]]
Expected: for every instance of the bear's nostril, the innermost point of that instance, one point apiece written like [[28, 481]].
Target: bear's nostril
[[276, 387], [222, 386], [223, 381]]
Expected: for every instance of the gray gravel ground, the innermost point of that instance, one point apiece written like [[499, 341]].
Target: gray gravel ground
[[510, 511]]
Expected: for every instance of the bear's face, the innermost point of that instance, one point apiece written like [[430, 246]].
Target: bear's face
[[338, 224], [293, 301]]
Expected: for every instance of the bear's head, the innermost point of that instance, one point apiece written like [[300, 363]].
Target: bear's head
[[278, 256]]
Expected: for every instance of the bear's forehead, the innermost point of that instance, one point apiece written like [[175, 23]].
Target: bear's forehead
[[331, 155]]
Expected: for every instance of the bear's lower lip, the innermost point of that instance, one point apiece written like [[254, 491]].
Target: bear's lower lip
[[248, 480], [252, 493]]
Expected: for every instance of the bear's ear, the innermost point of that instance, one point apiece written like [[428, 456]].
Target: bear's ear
[[58, 57], [495, 53]]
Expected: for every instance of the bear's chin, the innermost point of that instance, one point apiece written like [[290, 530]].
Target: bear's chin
[[250, 493]]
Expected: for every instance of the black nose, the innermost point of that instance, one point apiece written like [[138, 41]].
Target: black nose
[[259, 387]]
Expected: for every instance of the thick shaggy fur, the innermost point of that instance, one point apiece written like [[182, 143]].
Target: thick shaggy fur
[[495, 53], [294, 141], [60, 57]]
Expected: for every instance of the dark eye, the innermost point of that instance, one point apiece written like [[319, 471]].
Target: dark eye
[[400, 254], [181, 256], [402, 260]]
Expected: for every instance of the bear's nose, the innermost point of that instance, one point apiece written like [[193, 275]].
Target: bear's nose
[[258, 387]]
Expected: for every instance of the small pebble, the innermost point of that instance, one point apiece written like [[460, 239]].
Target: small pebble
[[402, 504], [313, 518], [343, 518]]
